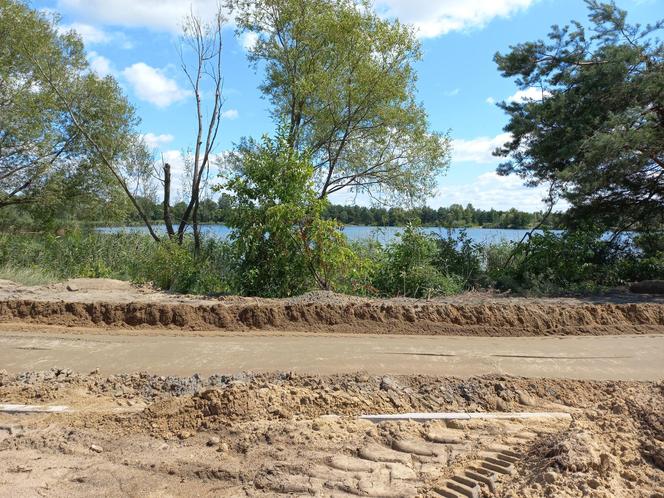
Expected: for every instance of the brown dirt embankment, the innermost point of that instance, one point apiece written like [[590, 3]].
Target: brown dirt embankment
[[492, 319], [283, 435]]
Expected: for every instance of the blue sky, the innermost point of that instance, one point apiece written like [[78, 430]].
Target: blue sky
[[136, 40]]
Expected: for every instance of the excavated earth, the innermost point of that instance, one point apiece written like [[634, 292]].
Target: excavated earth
[[103, 303], [287, 435]]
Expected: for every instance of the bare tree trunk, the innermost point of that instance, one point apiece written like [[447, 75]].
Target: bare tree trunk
[[168, 221], [197, 232], [205, 41]]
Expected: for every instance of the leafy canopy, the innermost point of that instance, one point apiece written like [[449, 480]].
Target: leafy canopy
[[343, 81], [597, 133], [42, 153], [281, 243]]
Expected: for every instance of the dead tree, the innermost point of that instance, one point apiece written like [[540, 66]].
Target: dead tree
[[203, 43]]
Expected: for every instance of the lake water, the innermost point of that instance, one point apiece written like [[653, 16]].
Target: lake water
[[354, 232]]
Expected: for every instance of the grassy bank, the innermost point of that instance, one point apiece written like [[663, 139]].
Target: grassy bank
[[415, 264]]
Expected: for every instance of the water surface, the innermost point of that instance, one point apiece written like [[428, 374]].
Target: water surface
[[357, 233]]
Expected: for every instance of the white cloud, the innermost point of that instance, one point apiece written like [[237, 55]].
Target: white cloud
[[490, 100], [176, 160], [490, 190], [433, 18], [248, 40], [88, 33], [452, 93], [479, 149], [99, 64], [92, 35], [530, 93], [163, 15], [155, 141], [230, 114], [152, 85], [430, 17], [178, 177]]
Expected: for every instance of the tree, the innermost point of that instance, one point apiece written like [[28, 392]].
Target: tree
[[282, 244], [343, 81], [202, 41], [597, 132], [40, 147], [65, 135]]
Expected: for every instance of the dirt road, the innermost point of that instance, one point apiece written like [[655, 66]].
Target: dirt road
[[594, 358]]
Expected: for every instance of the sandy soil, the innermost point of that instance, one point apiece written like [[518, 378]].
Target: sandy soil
[[110, 303], [299, 434], [168, 352], [289, 435]]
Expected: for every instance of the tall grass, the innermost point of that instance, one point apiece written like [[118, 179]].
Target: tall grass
[[27, 276], [413, 265], [39, 258]]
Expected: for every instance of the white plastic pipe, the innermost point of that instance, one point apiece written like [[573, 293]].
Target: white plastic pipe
[[468, 416], [33, 409]]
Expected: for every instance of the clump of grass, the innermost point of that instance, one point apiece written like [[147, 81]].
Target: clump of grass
[[33, 259], [27, 276]]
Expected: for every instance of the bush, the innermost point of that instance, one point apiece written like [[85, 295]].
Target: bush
[[462, 257], [281, 244], [407, 268], [583, 260]]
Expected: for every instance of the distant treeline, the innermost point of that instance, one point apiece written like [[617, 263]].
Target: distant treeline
[[456, 215]]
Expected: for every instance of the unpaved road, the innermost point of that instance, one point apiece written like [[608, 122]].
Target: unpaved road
[[625, 357]]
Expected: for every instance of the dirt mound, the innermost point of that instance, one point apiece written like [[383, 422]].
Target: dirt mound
[[280, 434], [433, 318], [574, 450]]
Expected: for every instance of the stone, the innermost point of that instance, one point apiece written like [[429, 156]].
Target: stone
[[594, 483], [72, 288], [96, 448], [618, 409], [184, 434], [525, 399], [388, 383], [213, 441], [549, 477], [502, 406]]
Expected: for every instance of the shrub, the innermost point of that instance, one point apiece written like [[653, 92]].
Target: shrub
[[281, 244], [460, 256], [407, 268], [580, 260]]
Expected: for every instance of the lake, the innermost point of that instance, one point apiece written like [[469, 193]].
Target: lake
[[355, 232]]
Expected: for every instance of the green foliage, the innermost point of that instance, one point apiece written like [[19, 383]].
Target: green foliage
[[596, 134], [408, 268], [462, 257], [646, 261], [343, 80], [44, 81], [281, 243], [580, 260], [454, 216], [133, 257]]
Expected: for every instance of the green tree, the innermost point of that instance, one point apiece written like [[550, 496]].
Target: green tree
[[343, 81], [281, 242], [597, 133], [66, 136]]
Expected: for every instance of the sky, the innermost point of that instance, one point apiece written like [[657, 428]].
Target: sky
[[458, 82]]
